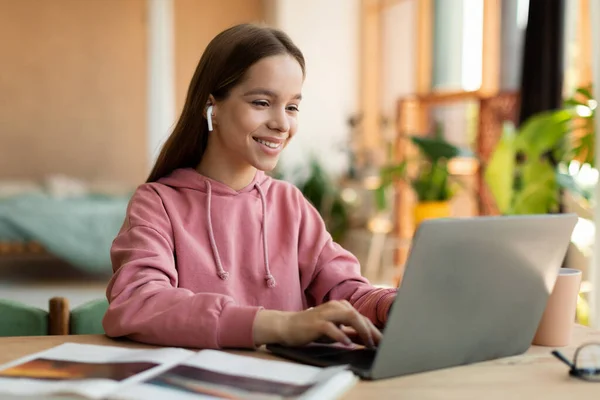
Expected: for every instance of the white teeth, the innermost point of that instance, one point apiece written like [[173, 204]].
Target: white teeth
[[268, 144]]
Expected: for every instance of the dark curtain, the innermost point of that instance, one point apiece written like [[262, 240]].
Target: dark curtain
[[542, 67]]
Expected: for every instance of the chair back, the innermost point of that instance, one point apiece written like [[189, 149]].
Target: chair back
[[19, 319], [86, 319]]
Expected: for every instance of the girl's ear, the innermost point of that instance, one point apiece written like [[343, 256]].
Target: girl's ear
[[211, 102]]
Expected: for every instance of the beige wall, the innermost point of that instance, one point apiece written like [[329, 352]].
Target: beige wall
[[73, 81], [72, 89], [328, 33], [196, 23]]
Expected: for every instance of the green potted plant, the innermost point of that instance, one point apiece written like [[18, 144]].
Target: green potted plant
[[433, 183], [526, 172], [321, 191]]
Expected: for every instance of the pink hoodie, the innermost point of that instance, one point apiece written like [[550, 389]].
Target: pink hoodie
[[195, 260]]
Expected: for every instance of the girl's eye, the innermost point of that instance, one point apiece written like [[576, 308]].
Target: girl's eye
[[293, 108], [260, 103]]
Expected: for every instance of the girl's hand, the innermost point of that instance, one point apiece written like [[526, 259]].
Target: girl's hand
[[326, 321]]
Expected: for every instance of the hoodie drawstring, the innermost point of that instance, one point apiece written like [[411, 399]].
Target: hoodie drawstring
[[224, 275], [268, 277]]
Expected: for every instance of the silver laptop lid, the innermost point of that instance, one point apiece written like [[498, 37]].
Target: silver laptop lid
[[474, 289]]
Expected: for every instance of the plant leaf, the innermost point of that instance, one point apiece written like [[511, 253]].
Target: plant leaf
[[391, 172], [574, 103], [544, 131], [585, 91], [438, 188], [380, 200], [499, 174], [539, 194], [434, 149]]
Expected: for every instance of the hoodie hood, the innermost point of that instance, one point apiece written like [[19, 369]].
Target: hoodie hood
[[189, 178]]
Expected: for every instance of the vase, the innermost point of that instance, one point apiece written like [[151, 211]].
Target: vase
[[431, 209]]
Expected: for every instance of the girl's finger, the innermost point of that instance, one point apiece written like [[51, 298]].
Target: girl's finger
[[330, 330], [375, 332], [349, 316]]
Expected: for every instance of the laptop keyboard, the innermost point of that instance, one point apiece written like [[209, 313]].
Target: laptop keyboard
[[360, 358]]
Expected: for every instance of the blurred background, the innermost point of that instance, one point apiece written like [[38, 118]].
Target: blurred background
[[412, 109]]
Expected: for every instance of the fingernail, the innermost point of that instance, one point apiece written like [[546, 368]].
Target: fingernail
[[371, 342]]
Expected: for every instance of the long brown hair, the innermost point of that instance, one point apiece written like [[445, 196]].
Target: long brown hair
[[222, 66]]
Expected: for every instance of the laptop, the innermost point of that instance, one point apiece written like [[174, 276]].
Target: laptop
[[474, 289]]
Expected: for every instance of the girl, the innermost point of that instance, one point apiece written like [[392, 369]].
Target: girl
[[215, 254]]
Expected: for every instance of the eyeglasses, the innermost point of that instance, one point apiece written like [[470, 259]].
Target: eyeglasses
[[586, 362]]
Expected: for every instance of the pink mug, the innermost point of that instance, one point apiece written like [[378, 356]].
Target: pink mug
[[556, 326]]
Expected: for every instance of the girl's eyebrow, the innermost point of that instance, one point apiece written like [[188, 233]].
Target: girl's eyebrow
[[269, 93]]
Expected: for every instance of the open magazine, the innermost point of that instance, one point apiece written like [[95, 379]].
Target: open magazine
[[116, 373]]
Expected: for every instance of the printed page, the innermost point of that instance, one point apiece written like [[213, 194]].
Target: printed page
[[217, 374], [87, 370]]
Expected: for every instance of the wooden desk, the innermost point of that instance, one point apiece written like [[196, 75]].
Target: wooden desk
[[535, 374]]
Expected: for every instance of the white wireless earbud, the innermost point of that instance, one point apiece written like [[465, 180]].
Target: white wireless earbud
[[209, 117]]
